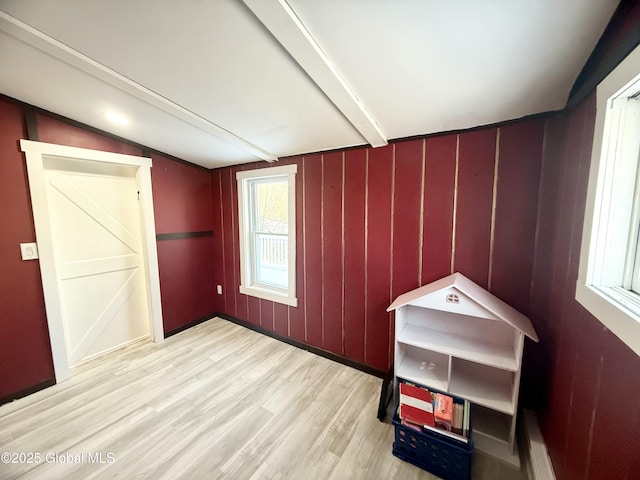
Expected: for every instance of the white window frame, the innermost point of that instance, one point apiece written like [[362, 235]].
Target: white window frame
[[247, 284], [610, 231]]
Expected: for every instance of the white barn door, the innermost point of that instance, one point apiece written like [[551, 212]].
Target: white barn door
[[96, 236], [95, 230]]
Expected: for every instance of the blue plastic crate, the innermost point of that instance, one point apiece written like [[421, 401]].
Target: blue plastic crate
[[438, 454]]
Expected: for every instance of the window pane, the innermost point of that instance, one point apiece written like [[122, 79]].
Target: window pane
[[271, 212], [271, 259], [270, 229]]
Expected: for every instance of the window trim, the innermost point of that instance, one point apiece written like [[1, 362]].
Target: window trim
[[613, 307], [275, 294]]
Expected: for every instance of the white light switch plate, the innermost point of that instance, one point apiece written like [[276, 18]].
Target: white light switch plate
[[29, 251]]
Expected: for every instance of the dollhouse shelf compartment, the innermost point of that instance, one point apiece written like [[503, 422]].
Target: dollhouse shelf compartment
[[460, 346], [454, 336]]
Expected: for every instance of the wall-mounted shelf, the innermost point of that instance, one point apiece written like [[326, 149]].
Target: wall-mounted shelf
[[454, 336]]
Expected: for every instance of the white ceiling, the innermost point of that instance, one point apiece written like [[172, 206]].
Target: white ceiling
[[223, 82]]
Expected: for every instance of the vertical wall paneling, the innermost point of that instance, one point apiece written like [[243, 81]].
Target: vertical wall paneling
[[455, 205], [406, 216], [253, 311], [543, 307], [562, 362], [421, 222], [516, 203], [614, 450], [231, 283], [494, 192], [280, 319], [354, 253], [313, 249], [585, 388], [579, 376], [580, 133], [391, 324], [342, 299], [266, 315], [373, 223], [332, 268], [548, 200], [582, 329], [564, 359], [439, 191], [378, 246], [474, 204]]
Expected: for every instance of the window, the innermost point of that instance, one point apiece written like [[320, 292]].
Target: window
[[266, 207], [609, 275]]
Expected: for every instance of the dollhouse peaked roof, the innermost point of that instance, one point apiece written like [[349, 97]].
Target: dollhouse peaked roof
[[456, 293]]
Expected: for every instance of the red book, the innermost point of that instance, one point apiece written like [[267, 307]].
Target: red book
[[416, 405]]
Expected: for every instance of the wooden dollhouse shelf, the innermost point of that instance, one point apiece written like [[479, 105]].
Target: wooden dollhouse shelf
[[454, 336]]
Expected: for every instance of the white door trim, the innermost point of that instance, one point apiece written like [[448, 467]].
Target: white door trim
[[35, 153]]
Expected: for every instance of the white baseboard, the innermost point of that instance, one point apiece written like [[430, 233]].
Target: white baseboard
[[534, 450]]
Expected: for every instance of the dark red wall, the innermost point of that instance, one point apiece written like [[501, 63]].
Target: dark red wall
[[374, 223], [582, 379], [25, 354], [182, 203]]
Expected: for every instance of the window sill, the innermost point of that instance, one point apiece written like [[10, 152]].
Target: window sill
[[269, 295], [616, 310]]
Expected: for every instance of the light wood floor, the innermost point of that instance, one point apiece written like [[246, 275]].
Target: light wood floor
[[215, 401]]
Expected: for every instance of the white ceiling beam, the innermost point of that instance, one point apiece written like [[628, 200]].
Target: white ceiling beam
[[283, 23], [17, 29]]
